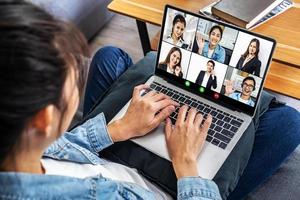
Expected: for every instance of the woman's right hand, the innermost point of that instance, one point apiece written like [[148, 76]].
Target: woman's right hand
[[200, 41], [185, 140]]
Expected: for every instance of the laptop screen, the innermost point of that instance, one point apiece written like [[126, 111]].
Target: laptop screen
[[213, 59]]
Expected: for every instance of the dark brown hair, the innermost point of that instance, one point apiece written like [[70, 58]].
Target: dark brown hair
[[216, 27], [36, 53], [257, 48]]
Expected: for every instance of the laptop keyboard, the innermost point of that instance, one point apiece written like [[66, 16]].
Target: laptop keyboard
[[223, 126]]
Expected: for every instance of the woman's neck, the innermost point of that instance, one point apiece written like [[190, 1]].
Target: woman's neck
[[25, 162], [211, 47], [175, 39]]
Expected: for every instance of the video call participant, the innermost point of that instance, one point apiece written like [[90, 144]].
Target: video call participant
[[208, 78], [249, 61], [176, 36], [248, 86], [172, 60], [211, 49]]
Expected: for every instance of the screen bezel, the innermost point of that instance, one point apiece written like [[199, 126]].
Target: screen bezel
[[209, 94]]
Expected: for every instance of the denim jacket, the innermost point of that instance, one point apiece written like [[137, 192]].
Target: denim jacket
[[82, 145], [218, 55]]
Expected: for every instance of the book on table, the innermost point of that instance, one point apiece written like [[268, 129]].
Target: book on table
[[246, 13]]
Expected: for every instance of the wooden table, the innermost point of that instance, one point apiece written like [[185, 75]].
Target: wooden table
[[284, 73]]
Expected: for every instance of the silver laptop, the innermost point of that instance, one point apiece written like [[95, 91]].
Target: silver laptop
[[215, 67]]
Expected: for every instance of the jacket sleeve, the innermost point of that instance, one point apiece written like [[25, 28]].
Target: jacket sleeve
[[198, 79], [90, 137], [257, 68], [214, 82], [197, 188]]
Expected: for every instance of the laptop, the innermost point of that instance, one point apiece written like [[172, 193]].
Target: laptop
[[215, 67]]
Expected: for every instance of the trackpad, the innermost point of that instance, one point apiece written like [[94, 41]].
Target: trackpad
[[155, 142]]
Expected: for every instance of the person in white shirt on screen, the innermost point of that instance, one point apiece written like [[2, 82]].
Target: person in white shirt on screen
[[248, 86], [208, 78], [176, 37]]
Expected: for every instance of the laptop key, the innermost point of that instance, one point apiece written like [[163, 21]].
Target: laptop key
[[173, 120], [169, 93], [220, 116], [222, 145], [227, 133], [209, 138], [227, 119], [214, 120], [234, 129], [218, 128], [215, 142], [187, 101], [235, 123], [220, 122], [213, 113], [211, 132], [173, 114], [200, 107], [226, 126], [222, 138], [194, 104], [207, 110], [175, 96], [164, 91]]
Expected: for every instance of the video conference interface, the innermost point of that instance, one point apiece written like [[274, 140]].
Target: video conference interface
[[217, 58]]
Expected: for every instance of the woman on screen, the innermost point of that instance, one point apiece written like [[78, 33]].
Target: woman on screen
[[249, 61], [176, 37], [211, 48], [172, 61]]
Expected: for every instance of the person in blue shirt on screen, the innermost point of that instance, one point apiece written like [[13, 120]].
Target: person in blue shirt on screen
[[211, 48], [248, 86]]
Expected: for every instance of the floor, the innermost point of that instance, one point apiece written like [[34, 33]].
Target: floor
[[122, 32]]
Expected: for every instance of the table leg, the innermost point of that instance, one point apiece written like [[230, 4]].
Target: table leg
[[144, 36]]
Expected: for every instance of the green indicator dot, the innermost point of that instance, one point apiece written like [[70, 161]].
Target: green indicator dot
[[187, 83], [201, 89]]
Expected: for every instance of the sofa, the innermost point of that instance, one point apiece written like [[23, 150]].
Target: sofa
[[91, 15]]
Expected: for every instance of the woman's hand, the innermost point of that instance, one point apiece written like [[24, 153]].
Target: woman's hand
[[200, 41], [143, 115], [229, 87], [185, 140]]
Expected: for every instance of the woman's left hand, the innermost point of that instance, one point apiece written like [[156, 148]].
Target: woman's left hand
[[143, 115]]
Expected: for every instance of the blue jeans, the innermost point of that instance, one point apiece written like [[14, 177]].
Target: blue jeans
[[277, 136]]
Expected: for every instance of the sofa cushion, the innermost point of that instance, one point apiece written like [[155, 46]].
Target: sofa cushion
[[88, 15]]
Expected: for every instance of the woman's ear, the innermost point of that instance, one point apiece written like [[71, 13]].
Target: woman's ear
[[42, 122]]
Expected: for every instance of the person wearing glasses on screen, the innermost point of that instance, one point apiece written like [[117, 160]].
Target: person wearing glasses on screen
[[211, 48], [172, 61], [249, 61], [248, 86], [208, 78], [176, 37]]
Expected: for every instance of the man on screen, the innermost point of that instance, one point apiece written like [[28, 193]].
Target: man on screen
[[248, 86], [208, 78]]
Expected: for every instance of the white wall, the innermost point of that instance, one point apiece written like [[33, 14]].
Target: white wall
[[198, 63]]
